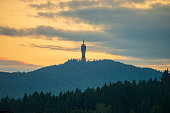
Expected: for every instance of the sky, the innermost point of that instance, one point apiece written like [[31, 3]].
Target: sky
[[38, 33]]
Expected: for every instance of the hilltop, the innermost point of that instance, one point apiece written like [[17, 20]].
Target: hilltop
[[71, 75]]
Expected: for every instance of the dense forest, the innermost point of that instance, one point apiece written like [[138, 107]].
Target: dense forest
[[151, 96]]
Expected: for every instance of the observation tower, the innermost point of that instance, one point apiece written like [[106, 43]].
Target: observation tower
[[83, 51]]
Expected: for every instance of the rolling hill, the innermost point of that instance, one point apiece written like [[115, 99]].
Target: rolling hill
[[71, 75]]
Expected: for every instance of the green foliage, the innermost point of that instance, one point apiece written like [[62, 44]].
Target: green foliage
[[150, 96], [132, 111], [156, 109], [101, 108], [82, 111]]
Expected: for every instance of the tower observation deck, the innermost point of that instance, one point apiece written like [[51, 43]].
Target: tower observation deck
[[83, 51]]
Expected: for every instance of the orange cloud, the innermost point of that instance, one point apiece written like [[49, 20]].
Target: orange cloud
[[8, 62], [14, 65], [157, 67], [148, 4]]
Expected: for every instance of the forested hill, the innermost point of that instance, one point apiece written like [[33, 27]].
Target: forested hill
[[150, 96], [71, 75]]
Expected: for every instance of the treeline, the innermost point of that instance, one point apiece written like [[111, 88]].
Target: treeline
[[152, 96]]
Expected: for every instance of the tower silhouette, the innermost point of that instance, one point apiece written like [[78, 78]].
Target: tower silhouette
[[83, 51]]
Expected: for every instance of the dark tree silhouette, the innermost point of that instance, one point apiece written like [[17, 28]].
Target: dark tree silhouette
[[152, 96]]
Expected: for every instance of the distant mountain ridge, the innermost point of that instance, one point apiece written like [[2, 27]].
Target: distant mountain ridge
[[71, 75]]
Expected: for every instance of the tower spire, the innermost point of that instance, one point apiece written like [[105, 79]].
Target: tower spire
[[83, 40]]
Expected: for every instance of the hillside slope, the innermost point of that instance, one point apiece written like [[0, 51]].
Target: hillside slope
[[70, 75]]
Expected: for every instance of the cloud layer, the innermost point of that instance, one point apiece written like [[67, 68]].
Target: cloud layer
[[11, 65], [51, 32], [142, 33], [139, 33], [131, 28]]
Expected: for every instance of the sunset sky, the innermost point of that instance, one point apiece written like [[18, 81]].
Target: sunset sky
[[38, 33]]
